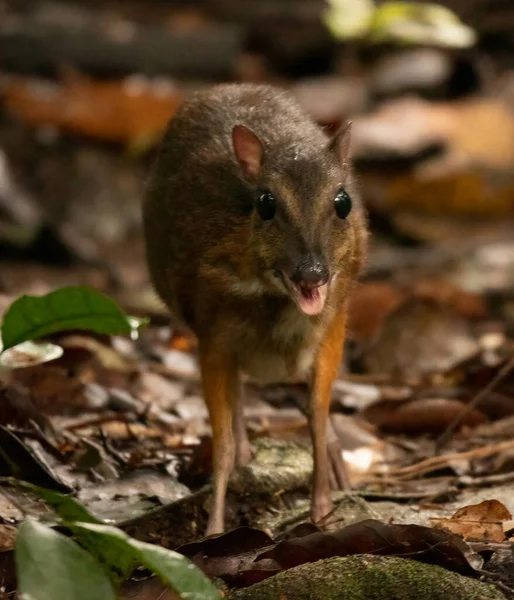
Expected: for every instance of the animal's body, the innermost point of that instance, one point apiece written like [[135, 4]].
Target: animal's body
[[255, 234]]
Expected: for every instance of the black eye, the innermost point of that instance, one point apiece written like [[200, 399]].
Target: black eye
[[343, 204], [266, 206]]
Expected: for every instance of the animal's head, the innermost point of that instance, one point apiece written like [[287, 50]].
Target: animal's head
[[305, 213]]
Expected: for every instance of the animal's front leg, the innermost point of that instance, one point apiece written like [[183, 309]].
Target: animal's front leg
[[335, 457], [243, 448], [326, 367], [219, 382]]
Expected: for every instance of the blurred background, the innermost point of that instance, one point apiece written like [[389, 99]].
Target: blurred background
[[88, 86]]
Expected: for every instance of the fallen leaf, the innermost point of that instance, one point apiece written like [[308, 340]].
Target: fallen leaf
[[373, 537], [460, 194], [106, 356], [7, 537], [52, 388], [236, 558], [371, 302], [423, 415], [20, 460], [474, 132], [420, 336], [182, 342], [28, 354], [484, 521], [117, 111]]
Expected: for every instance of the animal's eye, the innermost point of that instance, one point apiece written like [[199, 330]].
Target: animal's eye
[[266, 206], [343, 204]]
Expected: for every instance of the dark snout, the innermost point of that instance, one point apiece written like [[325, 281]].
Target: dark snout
[[310, 273], [308, 284]]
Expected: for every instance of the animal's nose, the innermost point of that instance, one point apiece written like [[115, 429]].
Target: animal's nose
[[310, 273]]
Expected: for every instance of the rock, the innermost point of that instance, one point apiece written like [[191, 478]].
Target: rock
[[367, 577], [277, 466]]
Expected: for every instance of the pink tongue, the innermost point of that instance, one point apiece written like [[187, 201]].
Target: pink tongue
[[312, 301]]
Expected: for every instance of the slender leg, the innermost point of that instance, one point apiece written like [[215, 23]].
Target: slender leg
[[243, 449], [325, 371], [340, 474], [219, 376]]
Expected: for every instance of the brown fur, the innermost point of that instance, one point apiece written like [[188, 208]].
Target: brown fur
[[213, 260]]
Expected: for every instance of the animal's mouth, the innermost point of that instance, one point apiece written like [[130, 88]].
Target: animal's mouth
[[310, 300]]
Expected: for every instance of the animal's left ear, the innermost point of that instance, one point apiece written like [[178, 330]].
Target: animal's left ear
[[339, 144]]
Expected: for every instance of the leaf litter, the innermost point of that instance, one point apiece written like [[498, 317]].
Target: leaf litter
[[120, 424]]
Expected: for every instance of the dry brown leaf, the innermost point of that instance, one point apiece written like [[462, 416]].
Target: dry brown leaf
[[369, 305], [182, 342], [474, 132], [53, 388], [462, 301], [423, 415], [418, 337], [371, 302], [463, 193], [116, 111], [106, 356], [484, 521], [7, 537]]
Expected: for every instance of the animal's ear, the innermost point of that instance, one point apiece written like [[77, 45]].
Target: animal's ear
[[248, 150], [340, 143]]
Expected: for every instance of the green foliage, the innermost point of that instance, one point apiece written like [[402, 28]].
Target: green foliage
[[398, 22], [177, 572], [67, 508], [108, 551], [49, 566], [32, 317]]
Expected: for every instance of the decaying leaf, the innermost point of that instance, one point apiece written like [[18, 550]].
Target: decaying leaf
[[28, 354], [120, 111], [239, 558], [420, 336], [422, 415], [7, 537], [478, 132], [488, 520]]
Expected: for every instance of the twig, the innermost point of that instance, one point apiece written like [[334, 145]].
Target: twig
[[436, 462], [502, 373], [486, 479], [493, 579], [94, 421]]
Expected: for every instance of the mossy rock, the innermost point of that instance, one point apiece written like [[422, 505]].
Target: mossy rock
[[277, 466], [367, 577]]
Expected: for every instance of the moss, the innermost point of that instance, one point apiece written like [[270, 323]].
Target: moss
[[365, 577], [277, 465]]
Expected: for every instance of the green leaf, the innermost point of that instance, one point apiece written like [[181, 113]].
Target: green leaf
[[177, 572], [32, 317], [28, 354], [65, 506], [399, 22], [412, 23], [113, 547], [348, 19], [50, 566], [115, 556]]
